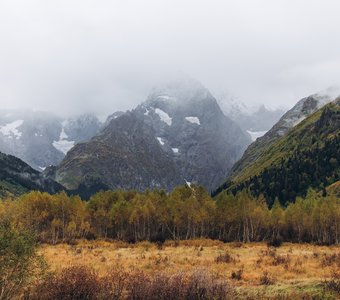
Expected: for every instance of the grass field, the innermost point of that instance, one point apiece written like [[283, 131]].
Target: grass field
[[292, 270]]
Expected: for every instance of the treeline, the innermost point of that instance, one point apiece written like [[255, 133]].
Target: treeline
[[316, 167], [185, 213]]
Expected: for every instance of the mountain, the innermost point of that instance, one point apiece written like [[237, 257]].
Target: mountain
[[42, 139], [307, 155], [16, 178], [178, 134], [256, 119], [291, 118]]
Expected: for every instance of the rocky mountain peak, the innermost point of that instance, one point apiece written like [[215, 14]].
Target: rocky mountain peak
[[179, 125], [184, 90]]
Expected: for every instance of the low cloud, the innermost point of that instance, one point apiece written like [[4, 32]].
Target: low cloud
[[101, 56]]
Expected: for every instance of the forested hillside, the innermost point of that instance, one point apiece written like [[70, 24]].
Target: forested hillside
[[307, 156], [17, 178], [303, 109]]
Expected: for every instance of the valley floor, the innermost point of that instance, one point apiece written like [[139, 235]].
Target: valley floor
[[291, 271]]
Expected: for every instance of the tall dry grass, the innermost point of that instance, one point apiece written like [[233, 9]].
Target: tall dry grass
[[251, 268]]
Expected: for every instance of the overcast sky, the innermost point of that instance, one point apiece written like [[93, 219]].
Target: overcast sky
[[101, 56]]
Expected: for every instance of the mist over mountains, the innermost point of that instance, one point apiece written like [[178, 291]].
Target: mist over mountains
[[179, 134], [42, 139]]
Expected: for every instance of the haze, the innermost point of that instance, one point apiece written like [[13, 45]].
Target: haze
[[100, 56]]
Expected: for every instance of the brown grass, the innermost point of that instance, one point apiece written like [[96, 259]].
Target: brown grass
[[288, 268]]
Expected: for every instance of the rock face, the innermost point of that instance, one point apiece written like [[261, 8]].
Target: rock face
[[191, 127], [304, 108], [42, 139], [16, 178], [124, 155], [178, 134]]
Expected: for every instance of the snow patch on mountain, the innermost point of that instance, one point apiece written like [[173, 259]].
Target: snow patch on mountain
[[256, 134], [193, 120], [146, 112], [63, 135], [63, 144], [160, 140], [165, 97], [11, 129], [163, 116], [188, 183]]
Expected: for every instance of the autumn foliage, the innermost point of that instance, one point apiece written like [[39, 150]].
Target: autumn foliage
[[185, 213]]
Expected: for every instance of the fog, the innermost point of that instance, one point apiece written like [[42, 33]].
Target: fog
[[75, 56]]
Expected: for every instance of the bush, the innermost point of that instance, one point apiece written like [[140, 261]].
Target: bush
[[330, 259], [166, 287], [202, 285], [162, 286], [225, 258], [82, 283], [237, 275], [333, 284], [114, 284], [158, 239], [281, 260], [275, 242], [20, 264], [266, 279], [236, 245], [73, 283]]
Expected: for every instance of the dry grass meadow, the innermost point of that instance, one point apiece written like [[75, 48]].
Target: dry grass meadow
[[256, 270]]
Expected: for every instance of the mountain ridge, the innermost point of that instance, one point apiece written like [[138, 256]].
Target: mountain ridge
[[186, 131], [40, 138], [306, 156], [291, 118], [17, 177]]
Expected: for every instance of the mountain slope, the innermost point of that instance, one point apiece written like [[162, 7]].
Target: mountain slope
[[16, 178], [42, 139], [307, 156], [191, 127], [124, 155], [294, 116], [178, 134]]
